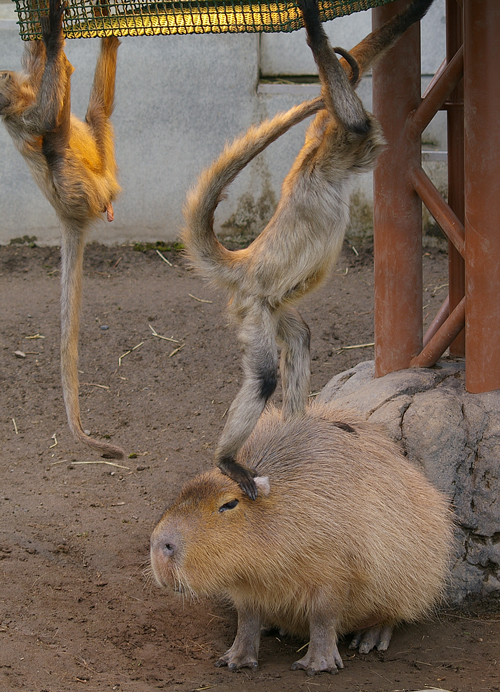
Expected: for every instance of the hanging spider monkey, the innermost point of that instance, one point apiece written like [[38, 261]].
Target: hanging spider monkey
[[303, 239], [72, 162]]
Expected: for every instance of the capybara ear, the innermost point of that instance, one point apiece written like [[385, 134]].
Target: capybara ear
[[262, 483]]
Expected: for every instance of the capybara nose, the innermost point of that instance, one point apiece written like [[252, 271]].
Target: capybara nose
[[169, 549], [165, 544]]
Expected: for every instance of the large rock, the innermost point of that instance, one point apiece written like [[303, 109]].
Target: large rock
[[454, 437]]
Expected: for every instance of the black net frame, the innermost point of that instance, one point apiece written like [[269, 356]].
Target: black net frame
[[93, 18]]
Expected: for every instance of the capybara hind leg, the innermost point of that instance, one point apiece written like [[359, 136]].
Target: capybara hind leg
[[375, 637], [322, 653], [244, 652]]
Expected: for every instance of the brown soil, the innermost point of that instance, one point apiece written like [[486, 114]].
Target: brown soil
[[77, 611]]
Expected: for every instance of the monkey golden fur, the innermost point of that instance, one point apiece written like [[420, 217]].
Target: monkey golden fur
[[73, 164], [301, 242], [347, 535]]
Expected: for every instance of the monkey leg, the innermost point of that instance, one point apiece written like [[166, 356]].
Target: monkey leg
[[295, 363], [260, 369], [72, 247], [340, 99]]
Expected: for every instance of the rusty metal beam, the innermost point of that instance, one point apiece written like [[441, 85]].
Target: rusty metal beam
[[436, 95], [435, 348], [444, 216], [438, 321], [482, 198], [397, 207], [456, 201]]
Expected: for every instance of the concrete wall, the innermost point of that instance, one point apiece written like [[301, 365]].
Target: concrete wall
[[179, 99]]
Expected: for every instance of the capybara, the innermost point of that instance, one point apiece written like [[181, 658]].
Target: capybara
[[345, 536]]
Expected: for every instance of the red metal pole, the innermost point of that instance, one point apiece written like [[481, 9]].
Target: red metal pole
[[397, 207], [438, 321], [444, 216], [442, 338], [482, 193], [455, 118]]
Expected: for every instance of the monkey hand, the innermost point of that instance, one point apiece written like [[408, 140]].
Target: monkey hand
[[239, 474], [52, 32]]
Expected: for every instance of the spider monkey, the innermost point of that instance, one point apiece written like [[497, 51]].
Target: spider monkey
[[72, 162], [303, 239]]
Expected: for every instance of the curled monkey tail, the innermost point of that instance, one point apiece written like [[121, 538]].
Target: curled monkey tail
[[375, 45], [203, 249]]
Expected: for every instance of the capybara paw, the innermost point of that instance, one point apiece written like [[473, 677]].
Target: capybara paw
[[236, 662], [375, 637], [319, 664]]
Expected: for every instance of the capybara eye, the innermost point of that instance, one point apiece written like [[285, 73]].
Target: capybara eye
[[229, 505], [169, 549]]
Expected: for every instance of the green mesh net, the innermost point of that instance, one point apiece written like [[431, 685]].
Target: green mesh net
[[91, 18]]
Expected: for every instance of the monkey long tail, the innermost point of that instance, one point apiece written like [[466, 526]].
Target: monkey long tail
[[72, 247], [206, 253]]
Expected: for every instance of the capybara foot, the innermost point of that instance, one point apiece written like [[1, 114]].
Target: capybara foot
[[318, 663], [236, 661], [375, 637]]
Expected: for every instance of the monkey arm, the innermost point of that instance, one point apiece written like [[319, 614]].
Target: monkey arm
[[295, 361], [101, 102], [33, 62], [102, 96]]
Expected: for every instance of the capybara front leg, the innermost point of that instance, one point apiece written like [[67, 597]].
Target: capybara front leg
[[244, 652], [322, 653]]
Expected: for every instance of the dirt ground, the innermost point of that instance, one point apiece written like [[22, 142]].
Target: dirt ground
[[77, 611]]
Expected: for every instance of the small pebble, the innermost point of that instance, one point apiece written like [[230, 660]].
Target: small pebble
[[104, 327]]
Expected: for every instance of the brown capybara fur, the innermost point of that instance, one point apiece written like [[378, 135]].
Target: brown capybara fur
[[346, 536]]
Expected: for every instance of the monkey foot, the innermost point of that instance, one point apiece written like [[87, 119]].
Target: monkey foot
[[375, 637]]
